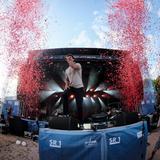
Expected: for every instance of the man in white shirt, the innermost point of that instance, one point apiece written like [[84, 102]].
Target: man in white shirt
[[73, 84]]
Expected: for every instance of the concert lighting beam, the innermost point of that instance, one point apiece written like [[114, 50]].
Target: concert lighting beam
[[101, 103], [101, 87], [58, 102], [46, 94], [73, 102], [87, 101], [52, 85], [114, 93], [92, 100], [92, 79]]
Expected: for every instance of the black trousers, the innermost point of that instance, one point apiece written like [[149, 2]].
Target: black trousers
[[79, 94]]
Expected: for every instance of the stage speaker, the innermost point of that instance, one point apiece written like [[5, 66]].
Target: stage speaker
[[16, 126], [64, 123], [120, 119], [100, 117], [132, 117], [124, 118]]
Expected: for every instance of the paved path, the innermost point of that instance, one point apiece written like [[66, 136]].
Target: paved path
[[152, 140]]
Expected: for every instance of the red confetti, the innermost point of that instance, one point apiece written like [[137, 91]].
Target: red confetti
[[30, 83], [128, 19], [22, 23]]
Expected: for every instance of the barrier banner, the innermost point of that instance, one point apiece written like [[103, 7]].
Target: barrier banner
[[118, 143], [13, 105], [127, 142], [69, 145], [33, 125]]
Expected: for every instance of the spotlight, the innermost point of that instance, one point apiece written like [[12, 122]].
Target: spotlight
[[103, 95], [56, 95], [91, 90], [71, 96], [87, 95], [94, 95]]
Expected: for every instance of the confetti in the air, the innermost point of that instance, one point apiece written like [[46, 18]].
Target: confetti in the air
[[22, 29], [128, 19]]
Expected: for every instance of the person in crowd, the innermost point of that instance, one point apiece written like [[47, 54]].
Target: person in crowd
[[3, 124]]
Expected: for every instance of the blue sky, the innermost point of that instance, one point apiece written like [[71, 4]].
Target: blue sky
[[83, 23], [69, 19]]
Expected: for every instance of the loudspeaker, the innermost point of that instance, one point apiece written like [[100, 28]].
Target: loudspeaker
[[120, 119], [100, 117], [132, 117], [16, 126], [124, 118], [64, 123]]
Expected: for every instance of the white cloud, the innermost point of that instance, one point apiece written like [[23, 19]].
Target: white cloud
[[149, 44], [104, 36], [149, 6], [3, 79], [158, 13], [99, 28], [81, 40], [11, 90], [109, 9], [152, 48], [95, 13], [8, 84], [154, 70]]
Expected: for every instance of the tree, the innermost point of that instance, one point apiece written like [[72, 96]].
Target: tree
[[156, 83]]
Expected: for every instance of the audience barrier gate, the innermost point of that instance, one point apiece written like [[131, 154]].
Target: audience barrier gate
[[118, 143]]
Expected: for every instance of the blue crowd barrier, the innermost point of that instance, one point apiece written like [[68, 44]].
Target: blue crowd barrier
[[33, 125], [14, 105], [128, 142], [118, 143]]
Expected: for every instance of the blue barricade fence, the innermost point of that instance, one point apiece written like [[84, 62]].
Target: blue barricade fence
[[15, 107], [118, 143], [33, 125]]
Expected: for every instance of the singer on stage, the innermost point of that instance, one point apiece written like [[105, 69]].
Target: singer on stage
[[74, 85]]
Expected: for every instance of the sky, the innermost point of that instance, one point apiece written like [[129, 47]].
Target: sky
[[84, 23], [75, 23]]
